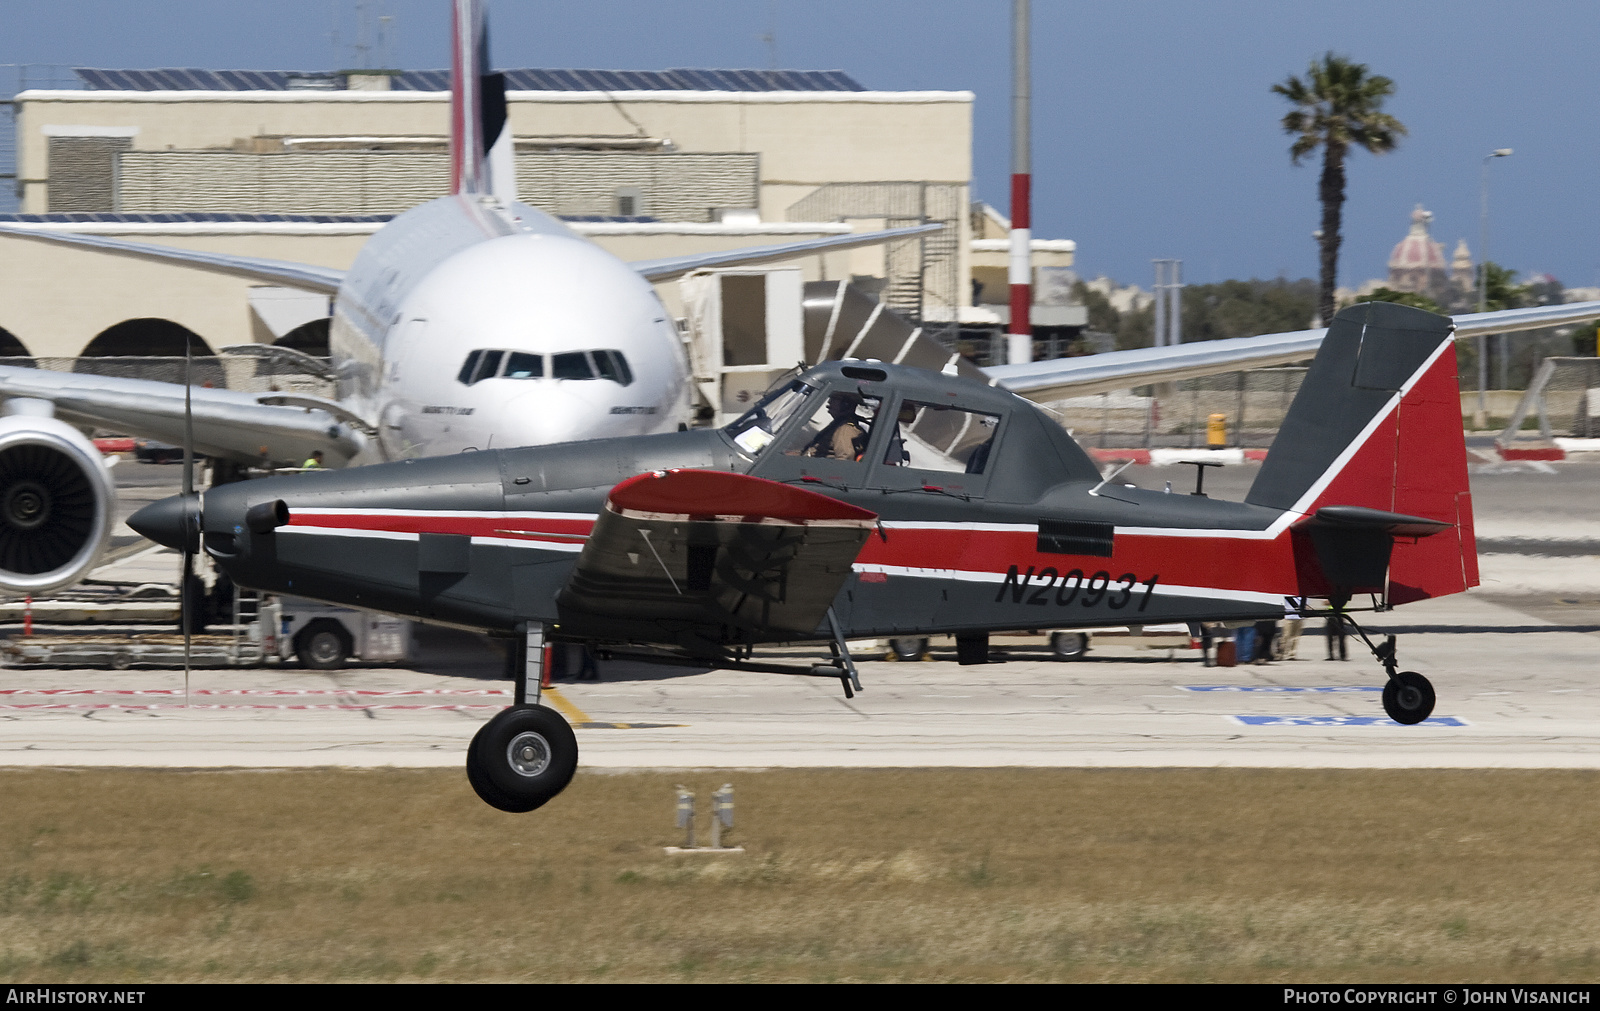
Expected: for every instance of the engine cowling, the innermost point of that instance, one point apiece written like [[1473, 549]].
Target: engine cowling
[[56, 504]]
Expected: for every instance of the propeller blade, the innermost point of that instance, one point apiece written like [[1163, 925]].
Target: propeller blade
[[184, 590]]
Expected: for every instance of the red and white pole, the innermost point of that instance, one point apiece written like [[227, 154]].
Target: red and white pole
[[1019, 338]]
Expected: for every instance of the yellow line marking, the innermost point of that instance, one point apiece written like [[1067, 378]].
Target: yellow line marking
[[566, 708]]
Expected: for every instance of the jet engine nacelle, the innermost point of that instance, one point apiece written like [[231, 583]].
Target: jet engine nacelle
[[56, 502]]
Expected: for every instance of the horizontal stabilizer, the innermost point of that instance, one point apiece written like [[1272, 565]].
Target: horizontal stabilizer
[[1363, 518], [706, 559]]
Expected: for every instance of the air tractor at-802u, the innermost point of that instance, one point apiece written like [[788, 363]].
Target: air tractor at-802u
[[861, 499]]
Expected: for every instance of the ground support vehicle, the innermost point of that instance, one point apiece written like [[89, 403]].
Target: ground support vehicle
[[326, 637]]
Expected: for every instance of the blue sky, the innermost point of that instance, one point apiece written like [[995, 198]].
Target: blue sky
[[1155, 133]]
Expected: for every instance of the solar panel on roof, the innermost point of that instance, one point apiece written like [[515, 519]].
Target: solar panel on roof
[[524, 79], [189, 217]]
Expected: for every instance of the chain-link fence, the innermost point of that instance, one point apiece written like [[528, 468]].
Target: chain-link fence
[[247, 374], [1252, 405]]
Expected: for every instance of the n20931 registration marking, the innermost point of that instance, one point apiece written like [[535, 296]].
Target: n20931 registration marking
[[1047, 586]]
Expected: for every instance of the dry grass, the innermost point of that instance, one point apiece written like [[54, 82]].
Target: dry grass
[[1248, 875]]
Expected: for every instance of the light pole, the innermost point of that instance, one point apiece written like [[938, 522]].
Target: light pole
[[1481, 417]]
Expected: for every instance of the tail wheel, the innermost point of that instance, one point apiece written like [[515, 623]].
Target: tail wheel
[[522, 758], [1408, 698], [1069, 645]]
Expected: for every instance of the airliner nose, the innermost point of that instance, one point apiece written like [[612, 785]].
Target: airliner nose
[[170, 522], [552, 415]]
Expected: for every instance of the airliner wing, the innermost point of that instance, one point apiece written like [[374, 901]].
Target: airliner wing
[[1119, 370], [287, 273], [326, 279], [244, 427], [667, 268]]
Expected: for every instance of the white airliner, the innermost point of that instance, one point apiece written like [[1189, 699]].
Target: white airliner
[[470, 322]]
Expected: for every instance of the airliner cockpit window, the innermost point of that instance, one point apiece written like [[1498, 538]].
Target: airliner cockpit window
[[602, 364], [469, 368], [571, 365], [756, 428], [521, 365], [611, 365], [479, 365], [489, 366]]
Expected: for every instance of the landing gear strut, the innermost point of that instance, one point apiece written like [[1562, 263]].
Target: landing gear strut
[[1407, 696], [527, 754]]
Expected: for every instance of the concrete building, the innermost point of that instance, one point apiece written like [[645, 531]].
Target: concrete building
[[304, 167]]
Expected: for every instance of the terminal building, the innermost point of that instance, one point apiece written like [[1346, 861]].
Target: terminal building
[[304, 166]]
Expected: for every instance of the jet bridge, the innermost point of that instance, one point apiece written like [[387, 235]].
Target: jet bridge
[[746, 327]]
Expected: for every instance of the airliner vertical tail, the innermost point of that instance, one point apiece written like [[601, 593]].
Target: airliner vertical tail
[[480, 138]]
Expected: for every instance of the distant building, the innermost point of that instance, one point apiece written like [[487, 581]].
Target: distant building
[[1463, 277], [305, 167], [1417, 263]]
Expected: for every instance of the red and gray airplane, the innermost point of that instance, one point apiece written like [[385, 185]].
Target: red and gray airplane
[[861, 499]]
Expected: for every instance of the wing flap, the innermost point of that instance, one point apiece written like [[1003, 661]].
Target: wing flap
[[710, 557]]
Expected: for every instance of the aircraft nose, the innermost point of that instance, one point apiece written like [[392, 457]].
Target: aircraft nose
[[552, 415], [171, 522]]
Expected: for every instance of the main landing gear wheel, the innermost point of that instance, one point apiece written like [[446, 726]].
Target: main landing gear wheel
[[1408, 697], [1069, 645], [522, 758], [909, 648]]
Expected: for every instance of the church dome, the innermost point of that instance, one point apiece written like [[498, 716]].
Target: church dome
[[1417, 251]]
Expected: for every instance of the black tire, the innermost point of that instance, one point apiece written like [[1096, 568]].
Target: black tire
[[909, 648], [1069, 645], [522, 758], [323, 645], [1411, 700]]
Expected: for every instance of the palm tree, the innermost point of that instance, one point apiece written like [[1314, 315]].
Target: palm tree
[[1338, 106]]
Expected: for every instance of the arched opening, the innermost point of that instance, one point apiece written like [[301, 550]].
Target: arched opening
[[127, 349], [13, 352], [146, 338], [310, 338]]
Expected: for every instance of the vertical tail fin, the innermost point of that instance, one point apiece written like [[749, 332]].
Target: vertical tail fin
[[1377, 425], [480, 138]]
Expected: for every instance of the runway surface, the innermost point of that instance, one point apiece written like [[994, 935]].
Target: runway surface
[[1514, 665]]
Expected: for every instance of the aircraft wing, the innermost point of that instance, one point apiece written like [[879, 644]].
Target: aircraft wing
[[246, 427], [1119, 370], [304, 276], [667, 268], [773, 557]]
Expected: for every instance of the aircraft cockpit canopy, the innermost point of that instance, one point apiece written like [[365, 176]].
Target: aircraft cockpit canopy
[[839, 424], [604, 363], [754, 430]]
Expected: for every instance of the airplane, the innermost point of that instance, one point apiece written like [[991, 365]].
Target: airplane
[[862, 499], [472, 321]]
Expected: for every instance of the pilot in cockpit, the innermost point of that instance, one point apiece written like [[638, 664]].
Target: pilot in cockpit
[[843, 438]]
